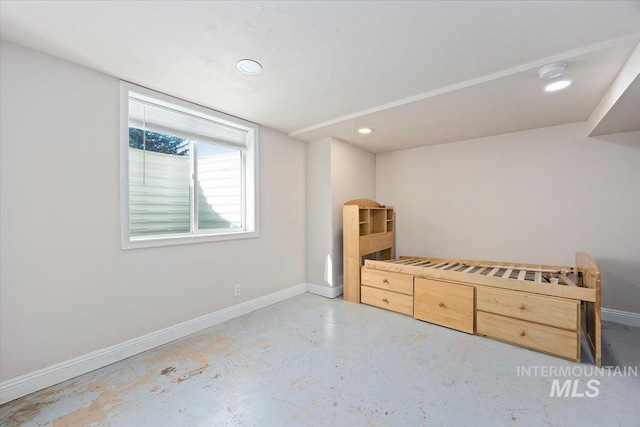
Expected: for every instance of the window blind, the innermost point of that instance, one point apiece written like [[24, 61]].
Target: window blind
[[156, 118]]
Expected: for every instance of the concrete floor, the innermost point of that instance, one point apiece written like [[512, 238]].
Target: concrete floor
[[319, 362]]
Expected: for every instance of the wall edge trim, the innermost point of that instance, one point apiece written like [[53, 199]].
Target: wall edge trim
[[325, 291], [623, 317]]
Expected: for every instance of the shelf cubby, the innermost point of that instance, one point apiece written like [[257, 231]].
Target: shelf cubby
[[378, 220]]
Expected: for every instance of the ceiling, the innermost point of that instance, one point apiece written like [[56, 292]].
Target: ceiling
[[418, 73]]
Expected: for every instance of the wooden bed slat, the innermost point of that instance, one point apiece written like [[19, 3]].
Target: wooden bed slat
[[480, 270], [502, 264], [522, 274], [515, 267], [507, 273], [538, 277], [439, 265]]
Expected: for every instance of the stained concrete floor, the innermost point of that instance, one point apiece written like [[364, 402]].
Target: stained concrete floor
[[311, 361]]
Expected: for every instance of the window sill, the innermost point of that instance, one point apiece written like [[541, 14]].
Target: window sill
[[150, 242]]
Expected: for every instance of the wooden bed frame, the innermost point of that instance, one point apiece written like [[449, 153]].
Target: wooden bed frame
[[551, 301]]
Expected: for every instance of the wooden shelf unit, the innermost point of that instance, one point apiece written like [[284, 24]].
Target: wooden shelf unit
[[367, 229]]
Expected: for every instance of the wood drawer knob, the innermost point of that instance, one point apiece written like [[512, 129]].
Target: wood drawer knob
[[385, 281], [521, 306], [441, 304], [385, 300], [522, 333]]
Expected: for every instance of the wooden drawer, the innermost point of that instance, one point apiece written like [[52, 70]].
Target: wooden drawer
[[444, 303], [396, 282], [389, 300], [559, 312], [543, 338]]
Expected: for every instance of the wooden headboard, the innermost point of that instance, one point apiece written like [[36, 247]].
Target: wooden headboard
[[589, 277], [364, 203], [367, 228]]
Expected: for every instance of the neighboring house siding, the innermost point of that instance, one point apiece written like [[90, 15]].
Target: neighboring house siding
[[159, 192]]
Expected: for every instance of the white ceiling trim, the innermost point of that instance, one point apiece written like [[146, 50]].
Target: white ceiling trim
[[462, 85], [620, 85]]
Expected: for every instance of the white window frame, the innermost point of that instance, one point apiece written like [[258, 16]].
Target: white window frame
[[250, 176]]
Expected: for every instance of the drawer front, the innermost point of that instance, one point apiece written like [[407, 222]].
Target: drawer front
[[558, 312], [548, 339], [445, 304], [393, 301], [396, 282]]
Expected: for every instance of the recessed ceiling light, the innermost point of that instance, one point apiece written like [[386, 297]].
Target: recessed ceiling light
[[556, 86], [552, 70], [249, 66], [365, 131]]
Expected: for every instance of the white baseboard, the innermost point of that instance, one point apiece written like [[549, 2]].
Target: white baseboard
[[325, 291], [624, 317], [20, 386]]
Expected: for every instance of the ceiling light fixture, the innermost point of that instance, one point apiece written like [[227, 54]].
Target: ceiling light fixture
[[556, 86], [552, 70], [249, 66], [365, 131]]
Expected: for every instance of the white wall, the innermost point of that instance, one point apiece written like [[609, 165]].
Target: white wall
[[535, 196], [66, 286], [318, 189], [336, 172], [353, 176]]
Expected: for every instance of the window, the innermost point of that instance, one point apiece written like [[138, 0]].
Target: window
[[188, 174]]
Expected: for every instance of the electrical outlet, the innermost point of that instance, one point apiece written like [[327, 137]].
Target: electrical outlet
[[237, 290]]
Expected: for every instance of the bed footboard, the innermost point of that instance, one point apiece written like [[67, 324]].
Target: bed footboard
[[589, 277]]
